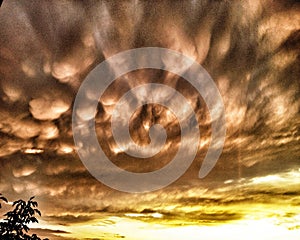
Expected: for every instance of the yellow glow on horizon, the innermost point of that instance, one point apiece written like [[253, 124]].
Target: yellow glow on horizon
[[153, 215], [228, 216], [267, 179], [261, 229]]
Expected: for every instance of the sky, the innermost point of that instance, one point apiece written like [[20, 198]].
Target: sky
[[250, 48]]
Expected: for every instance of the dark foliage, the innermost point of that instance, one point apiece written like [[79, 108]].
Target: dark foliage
[[15, 224]]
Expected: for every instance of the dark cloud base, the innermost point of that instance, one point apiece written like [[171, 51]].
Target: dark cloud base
[[251, 50]]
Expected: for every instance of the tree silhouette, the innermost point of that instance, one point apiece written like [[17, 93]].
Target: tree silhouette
[[15, 224]]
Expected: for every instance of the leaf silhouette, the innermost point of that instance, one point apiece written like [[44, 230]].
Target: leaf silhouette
[[15, 224]]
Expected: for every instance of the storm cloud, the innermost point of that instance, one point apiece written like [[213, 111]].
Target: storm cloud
[[250, 49]]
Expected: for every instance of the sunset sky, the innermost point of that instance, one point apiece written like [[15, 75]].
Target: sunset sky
[[251, 50]]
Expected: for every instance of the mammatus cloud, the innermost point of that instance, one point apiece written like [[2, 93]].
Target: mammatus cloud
[[251, 50], [257, 75]]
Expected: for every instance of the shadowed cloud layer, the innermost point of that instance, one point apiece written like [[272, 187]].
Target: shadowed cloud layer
[[250, 49]]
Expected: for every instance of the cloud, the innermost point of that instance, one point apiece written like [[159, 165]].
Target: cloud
[[250, 48], [48, 231], [68, 219], [255, 102]]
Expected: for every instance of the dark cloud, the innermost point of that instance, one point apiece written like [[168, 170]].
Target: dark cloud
[[251, 50], [49, 233], [68, 219]]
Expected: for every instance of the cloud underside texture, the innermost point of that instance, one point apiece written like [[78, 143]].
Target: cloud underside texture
[[250, 49]]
